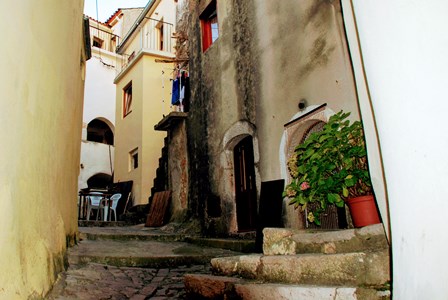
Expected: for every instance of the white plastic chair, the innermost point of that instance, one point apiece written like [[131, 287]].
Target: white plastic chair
[[94, 203], [113, 207]]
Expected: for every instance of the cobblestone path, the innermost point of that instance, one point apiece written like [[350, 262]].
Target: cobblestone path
[[98, 281]]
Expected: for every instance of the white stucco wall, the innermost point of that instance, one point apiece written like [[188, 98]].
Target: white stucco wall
[[100, 88], [99, 103], [95, 158], [404, 46]]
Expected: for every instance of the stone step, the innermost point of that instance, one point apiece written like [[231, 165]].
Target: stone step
[[148, 254], [244, 246], [221, 287], [357, 268], [282, 241], [128, 234]]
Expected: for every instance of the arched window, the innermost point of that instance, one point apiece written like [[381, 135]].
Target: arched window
[[98, 131]]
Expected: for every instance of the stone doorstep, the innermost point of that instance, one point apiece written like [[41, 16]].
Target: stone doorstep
[[283, 241], [238, 245], [360, 268], [156, 262], [132, 237], [222, 287]]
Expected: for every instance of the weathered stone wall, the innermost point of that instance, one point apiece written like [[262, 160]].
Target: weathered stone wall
[[269, 56], [220, 79], [178, 171]]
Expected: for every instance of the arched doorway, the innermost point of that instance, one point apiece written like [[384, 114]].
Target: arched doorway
[[99, 181], [245, 185], [98, 131]]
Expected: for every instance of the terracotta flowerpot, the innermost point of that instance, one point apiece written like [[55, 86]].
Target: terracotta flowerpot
[[363, 210]]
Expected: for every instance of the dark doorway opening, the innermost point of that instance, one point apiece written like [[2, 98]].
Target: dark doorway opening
[[98, 131], [245, 187], [99, 181]]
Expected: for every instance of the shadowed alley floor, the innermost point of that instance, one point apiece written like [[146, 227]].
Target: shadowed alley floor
[[131, 263]]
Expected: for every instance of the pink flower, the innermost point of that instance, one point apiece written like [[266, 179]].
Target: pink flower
[[304, 186]]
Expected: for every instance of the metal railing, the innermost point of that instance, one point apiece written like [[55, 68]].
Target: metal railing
[[103, 39], [155, 36]]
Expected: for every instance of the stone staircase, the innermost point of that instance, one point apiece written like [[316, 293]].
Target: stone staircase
[[139, 246], [299, 264]]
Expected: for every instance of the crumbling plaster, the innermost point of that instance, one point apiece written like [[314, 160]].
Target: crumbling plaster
[[269, 56]]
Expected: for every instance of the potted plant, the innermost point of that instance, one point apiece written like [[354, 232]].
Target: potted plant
[[330, 168]]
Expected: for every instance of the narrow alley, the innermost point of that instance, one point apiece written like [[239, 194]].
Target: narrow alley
[[133, 262]]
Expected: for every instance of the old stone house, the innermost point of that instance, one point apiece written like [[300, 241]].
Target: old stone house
[[251, 69]]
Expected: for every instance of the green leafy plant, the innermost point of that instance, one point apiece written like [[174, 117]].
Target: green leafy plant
[[329, 167]]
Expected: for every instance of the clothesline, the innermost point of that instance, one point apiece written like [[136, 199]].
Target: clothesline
[[180, 95]]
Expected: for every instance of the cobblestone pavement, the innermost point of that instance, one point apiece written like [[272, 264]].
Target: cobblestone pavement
[[98, 281]]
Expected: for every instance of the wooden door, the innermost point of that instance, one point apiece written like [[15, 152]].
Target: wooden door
[[245, 188]]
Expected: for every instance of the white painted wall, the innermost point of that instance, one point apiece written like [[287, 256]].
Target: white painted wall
[[100, 88], [405, 50], [95, 158], [99, 103]]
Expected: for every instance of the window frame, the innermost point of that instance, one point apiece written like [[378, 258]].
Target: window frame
[[133, 159], [209, 19], [127, 99], [98, 41]]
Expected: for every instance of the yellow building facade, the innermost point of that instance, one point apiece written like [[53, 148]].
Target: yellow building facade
[[42, 82], [143, 97]]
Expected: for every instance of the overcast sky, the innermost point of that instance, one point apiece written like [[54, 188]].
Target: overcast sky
[[107, 7]]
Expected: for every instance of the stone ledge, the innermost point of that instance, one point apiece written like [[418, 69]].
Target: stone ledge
[[281, 241], [170, 120], [222, 287], [360, 268]]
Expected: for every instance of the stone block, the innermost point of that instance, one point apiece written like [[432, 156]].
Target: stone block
[[286, 292], [208, 287], [277, 241], [333, 269]]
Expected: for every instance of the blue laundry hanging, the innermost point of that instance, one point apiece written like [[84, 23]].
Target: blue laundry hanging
[[175, 92]]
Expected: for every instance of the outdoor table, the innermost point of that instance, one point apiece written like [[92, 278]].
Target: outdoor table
[[82, 203]]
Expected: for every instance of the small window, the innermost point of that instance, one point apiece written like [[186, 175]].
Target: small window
[[127, 99], [97, 42], [133, 159], [209, 24]]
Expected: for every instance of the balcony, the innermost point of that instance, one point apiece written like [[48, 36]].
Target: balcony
[[154, 37], [103, 39]]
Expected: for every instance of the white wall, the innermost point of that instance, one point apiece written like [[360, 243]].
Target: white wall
[[99, 103], [95, 158], [405, 50], [99, 99]]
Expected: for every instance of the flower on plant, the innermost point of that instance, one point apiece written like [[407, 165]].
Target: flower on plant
[[292, 165], [304, 186], [291, 192], [310, 217]]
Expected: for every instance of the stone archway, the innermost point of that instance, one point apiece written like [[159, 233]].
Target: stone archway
[[296, 130], [233, 136]]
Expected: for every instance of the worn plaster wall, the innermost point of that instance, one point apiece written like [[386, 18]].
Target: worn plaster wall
[[178, 171], [220, 99], [42, 84], [303, 55], [269, 56]]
